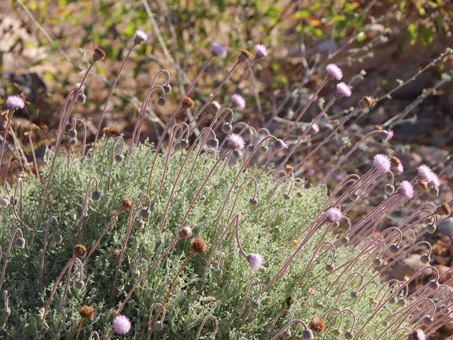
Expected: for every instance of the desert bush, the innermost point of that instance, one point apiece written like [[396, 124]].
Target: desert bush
[[197, 237]]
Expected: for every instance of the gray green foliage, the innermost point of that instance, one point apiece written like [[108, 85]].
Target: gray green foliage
[[186, 308]]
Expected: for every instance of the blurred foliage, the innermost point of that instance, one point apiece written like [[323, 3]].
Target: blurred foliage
[[188, 28]]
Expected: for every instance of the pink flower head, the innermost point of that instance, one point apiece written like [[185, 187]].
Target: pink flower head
[[425, 173], [235, 142], [218, 50], [260, 51], [255, 261], [334, 72], [140, 37], [382, 164], [315, 128], [311, 172], [15, 103], [343, 90], [406, 189], [334, 215], [238, 101], [121, 324]]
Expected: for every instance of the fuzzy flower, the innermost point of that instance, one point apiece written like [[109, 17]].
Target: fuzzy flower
[[382, 164], [334, 72], [343, 90], [218, 50], [406, 189], [140, 37], [238, 101], [255, 261], [260, 51], [334, 215], [425, 173], [15, 103], [121, 324], [235, 142]]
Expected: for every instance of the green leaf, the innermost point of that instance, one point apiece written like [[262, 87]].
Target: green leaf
[[412, 33], [426, 35]]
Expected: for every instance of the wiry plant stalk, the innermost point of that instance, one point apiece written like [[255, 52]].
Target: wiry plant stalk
[[169, 291], [63, 121], [207, 130], [146, 273], [69, 264], [108, 99], [130, 225], [170, 122], [8, 251], [44, 249]]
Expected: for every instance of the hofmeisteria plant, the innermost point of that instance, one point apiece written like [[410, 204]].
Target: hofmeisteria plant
[[196, 238]]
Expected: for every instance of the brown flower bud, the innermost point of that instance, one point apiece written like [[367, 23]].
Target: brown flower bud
[[80, 251], [86, 312], [377, 127], [99, 53], [198, 246]]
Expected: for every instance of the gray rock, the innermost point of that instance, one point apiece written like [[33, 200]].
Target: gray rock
[[408, 267], [446, 228]]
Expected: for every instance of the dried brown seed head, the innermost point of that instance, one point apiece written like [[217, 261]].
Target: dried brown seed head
[[422, 184], [86, 312], [80, 251], [214, 106], [111, 131], [198, 246], [395, 162], [244, 55], [365, 102], [99, 53], [210, 298], [114, 252], [126, 204], [445, 209], [188, 103], [317, 325]]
